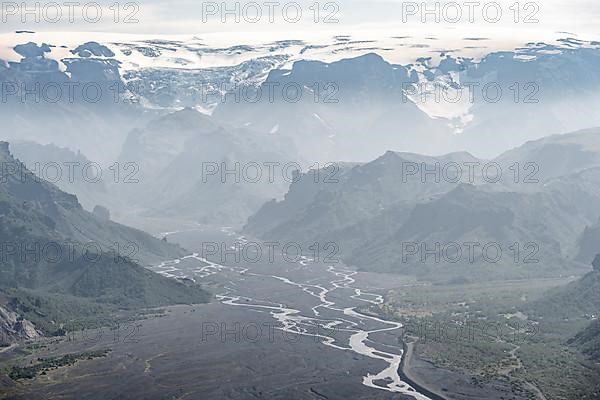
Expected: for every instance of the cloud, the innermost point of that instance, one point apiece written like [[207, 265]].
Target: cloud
[[349, 16]]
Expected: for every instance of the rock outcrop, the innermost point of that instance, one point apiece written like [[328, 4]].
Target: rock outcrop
[[14, 327]]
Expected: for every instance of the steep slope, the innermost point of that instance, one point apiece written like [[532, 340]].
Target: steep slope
[[347, 110], [588, 341], [184, 159], [578, 299], [61, 263], [557, 155], [71, 171], [341, 195], [474, 234], [54, 213], [571, 308], [383, 218], [351, 98], [84, 97], [546, 88]]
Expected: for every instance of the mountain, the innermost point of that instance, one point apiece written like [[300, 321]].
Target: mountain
[[62, 263], [330, 98], [579, 299], [183, 159], [567, 165], [557, 155], [546, 88], [59, 214], [436, 104], [83, 99], [588, 341], [402, 213], [71, 171], [350, 109], [507, 224], [341, 195]]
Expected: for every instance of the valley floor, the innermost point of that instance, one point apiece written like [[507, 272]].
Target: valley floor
[[277, 330]]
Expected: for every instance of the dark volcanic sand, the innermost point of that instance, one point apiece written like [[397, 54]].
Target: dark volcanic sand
[[184, 355], [168, 359]]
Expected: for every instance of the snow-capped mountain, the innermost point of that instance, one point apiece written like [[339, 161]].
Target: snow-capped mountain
[[354, 103]]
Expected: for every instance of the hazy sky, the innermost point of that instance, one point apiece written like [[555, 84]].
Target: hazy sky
[[346, 17]]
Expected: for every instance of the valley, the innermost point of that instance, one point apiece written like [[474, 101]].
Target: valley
[[368, 210], [319, 322]]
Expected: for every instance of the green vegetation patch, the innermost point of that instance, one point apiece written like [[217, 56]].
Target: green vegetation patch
[[44, 365]]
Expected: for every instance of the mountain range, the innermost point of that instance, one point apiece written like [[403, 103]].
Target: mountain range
[[329, 101], [62, 264], [390, 214]]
